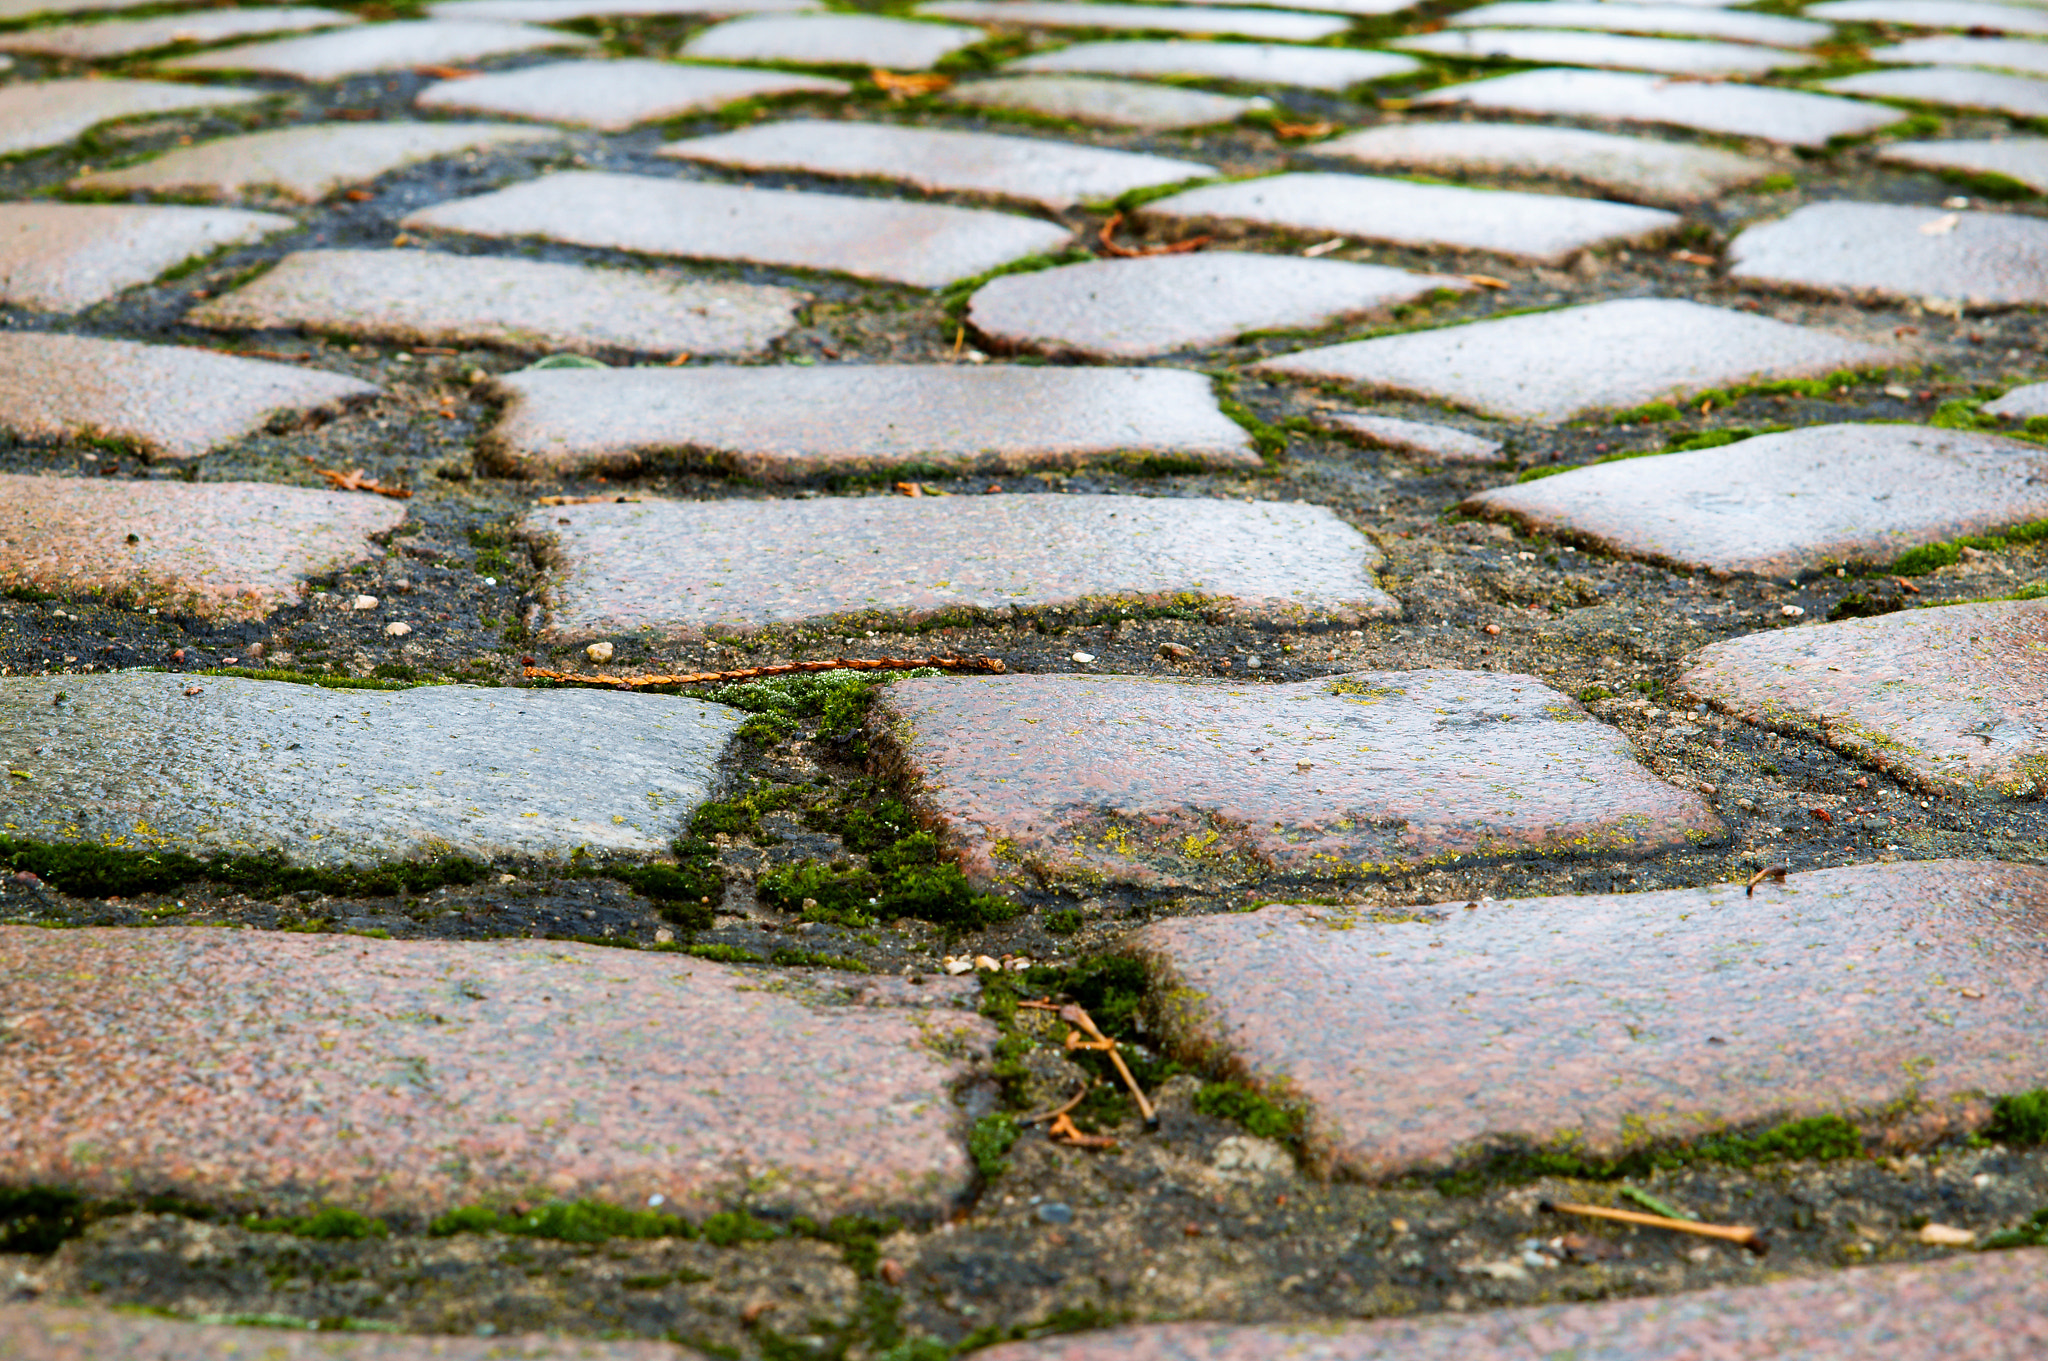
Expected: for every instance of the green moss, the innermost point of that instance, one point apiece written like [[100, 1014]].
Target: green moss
[[1064, 922], [331, 1223], [1858, 605], [1241, 1105], [1776, 184], [575, 1221], [724, 954], [1269, 439], [733, 1227], [858, 1236], [1961, 413], [990, 1141], [99, 871], [953, 298], [2020, 1120], [1824, 1138], [2032, 1234], [1931, 557], [817, 959], [1593, 692], [38, 1219], [833, 703], [322, 679]]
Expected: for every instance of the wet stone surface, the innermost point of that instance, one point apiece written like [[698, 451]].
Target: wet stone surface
[[60, 257], [1418, 437], [122, 37], [830, 40], [38, 114], [378, 47], [1237, 23], [614, 95], [1676, 56], [58, 1333], [2020, 96], [2023, 159], [1112, 103], [1315, 68], [1693, 21]]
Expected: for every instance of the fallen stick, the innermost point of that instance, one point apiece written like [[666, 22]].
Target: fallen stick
[[990, 664], [1076, 1016], [1193, 243], [1732, 1233], [1057, 1111], [1775, 872]]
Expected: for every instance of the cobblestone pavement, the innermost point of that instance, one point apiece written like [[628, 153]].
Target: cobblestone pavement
[[1474, 586]]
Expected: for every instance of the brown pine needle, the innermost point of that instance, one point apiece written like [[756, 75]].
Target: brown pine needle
[[1732, 1233], [1776, 872], [1108, 231], [990, 664]]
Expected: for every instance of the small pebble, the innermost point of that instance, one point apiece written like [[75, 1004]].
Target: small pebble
[[1792, 611], [1176, 651], [363, 602], [598, 652], [397, 630], [1084, 657], [1053, 1212], [988, 963]]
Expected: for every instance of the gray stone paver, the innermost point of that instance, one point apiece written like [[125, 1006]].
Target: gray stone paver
[[1417, 437], [2024, 159], [50, 1332], [1237, 23], [380, 47], [929, 245], [1882, 250], [830, 40], [556, 11], [1643, 169], [1054, 174], [1791, 503], [1314, 68], [2006, 54], [1544, 227], [614, 95], [2022, 402], [1952, 699], [1692, 21], [122, 37], [38, 114], [1113, 103], [1549, 366], [783, 423], [305, 163], [10, 10], [59, 257], [1953, 86], [1789, 116], [680, 569], [1128, 309], [173, 401], [1960, 14], [216, 550], [1562, 47], [429, 298]]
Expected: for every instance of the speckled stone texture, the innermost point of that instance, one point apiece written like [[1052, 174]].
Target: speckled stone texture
[[1053, 174], [59, 257], [42, 1332], [1791, 503], [1675, 56], [172, 401], [1550, 366], [1165, 783], [1312, 68], [2024, 159], [925, 244], [88, 42], [11, 10], [1237, 23], [1548, 228], [305, 163], [1793, 117], [614, 95], [47, 113], [783, 423], [2005, 54], [1111, 103], [1950, 699], [1692, 21], [1959, 14], [831, 40], [2021, 402], [1955, 87], [380, 47], [409, 1077], [556, 11], [219, 550], [681, 569], [1128, 309], [1417, 437], [335, 777], [425, 297], [1989, 1308], [1639, 169], [1893, 251]]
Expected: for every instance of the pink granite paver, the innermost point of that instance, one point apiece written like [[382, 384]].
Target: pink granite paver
[[1884, 250], [1544, 227], [425, 297], [1949, 699], [47, 113], [1953, 86], [1158, 782], [2005, 54], [219, 550], [1110, 103], [1613, 1020], [174, 401], [929, 245], [557, 11], [305, 163], [1562, 47], [1128, 309], [1991, 1308], [680, 569], [1789, 116], [1789, 503], [1417, 437], [1041, 170], [380, 47], [1691, 21], [408, 1077], [1959, 14], [830, 40], [118, 39], [614, 95], [785, 422], [2024, 159], [1313, 68], [1237, 23], [1550, 366], [2021, 403], [59, 257]]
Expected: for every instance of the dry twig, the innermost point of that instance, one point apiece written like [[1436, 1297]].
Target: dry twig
[[902, 86], [1775, 872], [1077, 1017], [355, 481], [1057, 1111], [1193, 243], [1732, 1233], [991, 664]]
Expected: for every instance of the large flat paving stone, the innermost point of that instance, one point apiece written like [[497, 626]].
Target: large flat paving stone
[[1793, 117], [428, 298], [1608, 1021], [1691, 21], [558, 11], [1040, 170], [1312, 68], [1957, 14], [305, 163], [1543, 227], [380, 47], [410, 1077], [1237, 23], [2022, 402], [51, 1332], [1550, 366], [785, 423], [923, 244], [682, 569], [11, 10], [93, 42], [1640, 169], [172, 401], [1127, 309], [1440, 442], [2022, 159], [48, 113], [1143, 781], [356, 777], [1562, 47], [1951, 699], [1111, 103], [1790, 503], [59, 257], [1951, 86], [614, 95], [218, 550], [831, 40], [2005, 54], [1883, 250]]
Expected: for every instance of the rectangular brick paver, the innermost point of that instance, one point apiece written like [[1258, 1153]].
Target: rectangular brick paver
[[1885, 250], [1166, 783], [2024, 159], [47, 1332], [1238, 23], [685, 568], [1313, 68], [785, 422], [614, 95], [831, 40], [928, 245], [380, 47], [1110, 103], [1691, 21], [1956, 87], [47, 113], [1675, 56], [59, 257], [90, 42]]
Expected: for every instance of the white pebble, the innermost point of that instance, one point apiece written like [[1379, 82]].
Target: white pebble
[[363, 602], [397, 630], [598, 652], [1084, 657], [1792, 611]]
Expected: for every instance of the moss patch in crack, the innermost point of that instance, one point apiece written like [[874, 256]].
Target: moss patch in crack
[[332, 1223], [2020, 1119], [1820, 1138], [95, 871], [1931, 557], [832, 703], [1242, 1106], [569, 1221], [990, 1140]]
